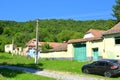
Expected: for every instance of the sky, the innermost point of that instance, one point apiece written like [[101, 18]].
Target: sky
[[25, 10]]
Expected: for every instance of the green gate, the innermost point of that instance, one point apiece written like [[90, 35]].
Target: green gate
[[95, 54], [80, 52]]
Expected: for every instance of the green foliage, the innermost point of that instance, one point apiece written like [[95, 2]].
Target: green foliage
[[46, 47], [116, 10], [49, 30], [1, 29]]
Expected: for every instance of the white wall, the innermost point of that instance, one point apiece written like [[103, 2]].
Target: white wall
[[89, 35], [112, 50], [9, 48]]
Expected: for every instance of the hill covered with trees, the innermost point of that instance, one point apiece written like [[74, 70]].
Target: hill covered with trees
[[49, 30]]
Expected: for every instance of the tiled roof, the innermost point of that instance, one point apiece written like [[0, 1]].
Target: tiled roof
[[115, 29], [96, 33], [97, 36], [60, 47], [55, 45], [84, 40], [32, 43]]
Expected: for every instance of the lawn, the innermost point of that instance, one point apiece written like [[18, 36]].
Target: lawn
[[6, 74], [58, 65]]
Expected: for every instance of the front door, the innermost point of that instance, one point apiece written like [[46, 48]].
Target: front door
[[95, 54]]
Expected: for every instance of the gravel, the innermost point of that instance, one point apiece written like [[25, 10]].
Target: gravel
[[53, 74]]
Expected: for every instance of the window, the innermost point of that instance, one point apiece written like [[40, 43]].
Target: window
[[101, 63], [117, 40]]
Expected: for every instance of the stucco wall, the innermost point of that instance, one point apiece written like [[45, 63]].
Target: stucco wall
[[70, 50], [112, 50], [9, 48], [60, 55], [90, 45]]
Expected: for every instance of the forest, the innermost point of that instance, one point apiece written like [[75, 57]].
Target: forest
[[50, 30]]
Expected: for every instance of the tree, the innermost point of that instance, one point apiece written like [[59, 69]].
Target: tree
[[7, 31], [116, 10], [46, 47], [1, 29]]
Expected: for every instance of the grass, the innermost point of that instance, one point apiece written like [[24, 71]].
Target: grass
[[58, 65], [6, 74]]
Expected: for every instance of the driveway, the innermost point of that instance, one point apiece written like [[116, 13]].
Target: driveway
[[53, 74]]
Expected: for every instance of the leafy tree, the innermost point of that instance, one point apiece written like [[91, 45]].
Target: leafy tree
[[3, 42], [116, 10], [49, 30], [7, 31], [46, 47], [1, 29]]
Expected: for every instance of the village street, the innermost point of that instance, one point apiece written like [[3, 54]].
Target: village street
[[53, 74]]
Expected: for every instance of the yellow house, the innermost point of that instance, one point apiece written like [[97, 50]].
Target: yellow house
[[90, 47], [112, 42], [97, 44], [58, 51]]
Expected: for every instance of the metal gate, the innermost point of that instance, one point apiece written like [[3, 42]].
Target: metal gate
[[80, 52]]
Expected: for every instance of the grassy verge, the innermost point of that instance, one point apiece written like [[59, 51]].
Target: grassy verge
[[58, 65], [6, 74]]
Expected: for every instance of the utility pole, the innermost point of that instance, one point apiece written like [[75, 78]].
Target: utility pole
[[12, 45], [36, 54]]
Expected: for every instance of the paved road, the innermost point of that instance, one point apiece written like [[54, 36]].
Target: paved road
[[52, 74]]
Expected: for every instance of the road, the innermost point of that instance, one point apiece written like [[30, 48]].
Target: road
[[53, 74]]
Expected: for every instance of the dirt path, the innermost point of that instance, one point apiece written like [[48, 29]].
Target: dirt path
[[53, 74]]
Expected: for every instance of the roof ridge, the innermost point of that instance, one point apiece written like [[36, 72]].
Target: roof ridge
[[114, 29]]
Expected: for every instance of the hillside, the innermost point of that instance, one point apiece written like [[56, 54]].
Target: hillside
[[49, 30]]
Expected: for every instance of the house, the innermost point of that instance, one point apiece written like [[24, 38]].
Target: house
[[58, 51], [97, 44], [32, 43], [11, 48], [90, 47], [112, 42]]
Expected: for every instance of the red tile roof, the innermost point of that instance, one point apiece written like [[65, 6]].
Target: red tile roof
[[96, 33], [115, 29], [97, 36], [32, 43], [55, 45], [60, 47], [84, 40]]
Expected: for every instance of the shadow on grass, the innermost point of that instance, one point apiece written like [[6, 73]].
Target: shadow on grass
[[4, 57], [9, 73], [34, 66], [12, 70]]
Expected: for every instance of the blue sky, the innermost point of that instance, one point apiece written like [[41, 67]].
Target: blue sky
[[25, 10]]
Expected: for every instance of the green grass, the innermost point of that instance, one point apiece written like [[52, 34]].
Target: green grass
[[58, 65], [6, 74]]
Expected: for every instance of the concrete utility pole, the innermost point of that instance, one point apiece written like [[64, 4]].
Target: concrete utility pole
[[12, 45], [36, 54]]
